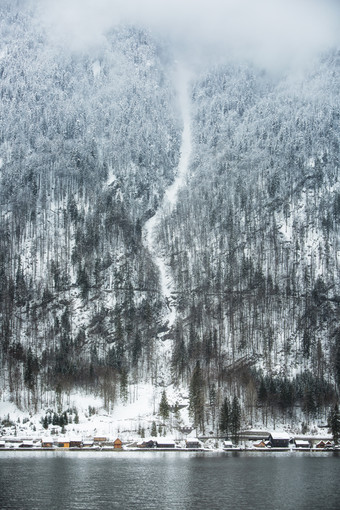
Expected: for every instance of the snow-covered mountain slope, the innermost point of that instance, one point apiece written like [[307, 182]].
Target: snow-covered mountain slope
[[166, 231]]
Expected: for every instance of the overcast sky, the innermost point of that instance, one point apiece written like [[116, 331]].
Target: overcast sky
[[269, 32]]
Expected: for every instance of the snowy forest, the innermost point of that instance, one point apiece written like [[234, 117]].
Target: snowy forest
[[89, 143]]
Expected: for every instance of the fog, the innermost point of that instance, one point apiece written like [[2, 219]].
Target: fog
[[271, 33]]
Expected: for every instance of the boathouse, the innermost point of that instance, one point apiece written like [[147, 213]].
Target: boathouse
[[117, 444]]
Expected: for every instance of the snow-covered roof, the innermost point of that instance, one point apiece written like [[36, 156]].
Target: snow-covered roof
[[164, 440], [228, 443], [280, 435], [301, 442]]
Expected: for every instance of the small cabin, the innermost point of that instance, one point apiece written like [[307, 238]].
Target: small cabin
[[324, 444], [165, 443], [261, 444], [2, 444], [76, 443], [228, 444], [299, 443], [63, 444], [279, 440], [117, 444], [193, 443], [147, 444], [47, 443], [87, 443], [26, 444], [100, 439]]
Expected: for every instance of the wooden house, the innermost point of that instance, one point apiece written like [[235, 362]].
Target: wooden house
[[324, 444], [279, 440], [117, 444], [261, 444], [76, 443], [320, 444], [100, 439]]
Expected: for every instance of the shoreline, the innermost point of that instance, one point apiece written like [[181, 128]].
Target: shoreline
[[266, 451]]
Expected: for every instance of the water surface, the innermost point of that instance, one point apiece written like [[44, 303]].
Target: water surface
[[148, 480]]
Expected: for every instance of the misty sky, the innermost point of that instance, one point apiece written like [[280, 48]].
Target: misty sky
[[269, 32]]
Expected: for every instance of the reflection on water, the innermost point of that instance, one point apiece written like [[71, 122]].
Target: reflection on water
[[148, 480]]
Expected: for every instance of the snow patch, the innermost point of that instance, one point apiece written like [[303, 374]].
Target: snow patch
[[151, 227], [96, 68]]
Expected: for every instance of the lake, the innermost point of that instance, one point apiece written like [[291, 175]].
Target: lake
[[168, 480]]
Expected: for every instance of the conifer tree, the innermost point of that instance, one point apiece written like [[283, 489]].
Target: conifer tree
[[164, 406], [235, 419], [153, 429], [196, 397], [334, 423], [225, 417]]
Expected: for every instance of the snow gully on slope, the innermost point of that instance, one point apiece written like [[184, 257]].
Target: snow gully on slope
[[170, 199]]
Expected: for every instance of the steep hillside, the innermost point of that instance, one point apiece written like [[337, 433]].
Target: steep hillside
[[254, 241], [232, 292], [89, 142]]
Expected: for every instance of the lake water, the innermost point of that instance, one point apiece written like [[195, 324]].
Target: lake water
[[170, 480]]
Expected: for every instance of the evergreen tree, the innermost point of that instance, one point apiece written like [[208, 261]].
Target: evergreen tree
[[334, 423], [196, 397], [124, 386], [164, 406], [153, 429], [225, 417], [45, 422], [235, 419], [31, 369]]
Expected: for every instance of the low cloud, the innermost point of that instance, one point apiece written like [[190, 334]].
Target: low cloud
[[272, 33]]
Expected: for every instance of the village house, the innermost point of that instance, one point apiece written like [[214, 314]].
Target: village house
[[150, 443], [228, 444], [261, 444], [117, 444], [47, 442], [76, 442], [279, 439], [300, 443], [193, 443], [88, 443], [62, 443], [26, 444], [324, 444]]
